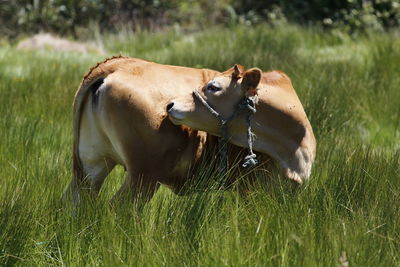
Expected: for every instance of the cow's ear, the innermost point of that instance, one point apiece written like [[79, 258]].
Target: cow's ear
[[237, 71], [251, 79]]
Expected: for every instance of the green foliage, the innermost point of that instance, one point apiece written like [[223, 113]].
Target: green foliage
[[351, 204], [349, 15], [66, 16], [70, 16]]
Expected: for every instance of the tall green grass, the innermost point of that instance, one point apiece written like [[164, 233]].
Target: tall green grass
[[351, 206]]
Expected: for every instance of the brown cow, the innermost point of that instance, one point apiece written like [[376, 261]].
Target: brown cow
[[120, 118], [280, 123]]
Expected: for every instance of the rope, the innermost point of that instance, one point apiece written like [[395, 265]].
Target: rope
[[246, 104]]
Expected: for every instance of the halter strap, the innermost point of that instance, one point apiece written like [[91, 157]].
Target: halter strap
[[246, 104]]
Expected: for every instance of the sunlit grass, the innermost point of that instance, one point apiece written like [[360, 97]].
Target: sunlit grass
[[350, 90]]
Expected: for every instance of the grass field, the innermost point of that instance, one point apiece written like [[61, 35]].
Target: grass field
[[350, 209]]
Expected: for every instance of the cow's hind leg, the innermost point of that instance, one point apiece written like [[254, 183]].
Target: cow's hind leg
[[136, 187], [90, 181]]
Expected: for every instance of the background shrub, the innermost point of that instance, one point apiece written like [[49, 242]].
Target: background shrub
[[67, 16]]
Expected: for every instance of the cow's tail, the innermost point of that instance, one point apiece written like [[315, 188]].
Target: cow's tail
[[88, 87], [85, 90], [77, 167]]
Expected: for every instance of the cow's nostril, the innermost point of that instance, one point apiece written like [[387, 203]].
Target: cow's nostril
[[169, 106]]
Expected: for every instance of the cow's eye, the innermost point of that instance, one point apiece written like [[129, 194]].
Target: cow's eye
[[213, 87]]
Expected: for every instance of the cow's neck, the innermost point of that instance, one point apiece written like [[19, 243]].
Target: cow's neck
[[276, 133]]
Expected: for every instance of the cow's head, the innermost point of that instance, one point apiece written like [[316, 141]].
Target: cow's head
[[223, 94]]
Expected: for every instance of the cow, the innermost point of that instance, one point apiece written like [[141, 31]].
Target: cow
[[120, 117]]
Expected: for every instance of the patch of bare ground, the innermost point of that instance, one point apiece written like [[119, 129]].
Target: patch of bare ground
[[46, 41]]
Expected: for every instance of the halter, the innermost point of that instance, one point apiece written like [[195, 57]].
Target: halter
[[246, 104]]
